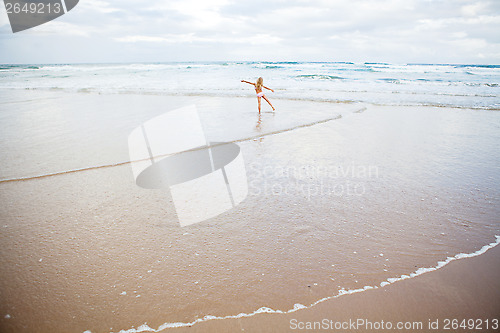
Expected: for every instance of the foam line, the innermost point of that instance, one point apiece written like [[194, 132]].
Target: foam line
[[297, 307], [161, 156], [59, 173]]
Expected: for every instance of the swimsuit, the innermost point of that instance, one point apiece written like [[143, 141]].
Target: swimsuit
[[260, 94]]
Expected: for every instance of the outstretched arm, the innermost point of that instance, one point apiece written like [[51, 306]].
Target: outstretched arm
[[268, 88], [248, 82]]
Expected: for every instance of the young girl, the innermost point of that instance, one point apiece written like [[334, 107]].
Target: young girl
[[258, 89]]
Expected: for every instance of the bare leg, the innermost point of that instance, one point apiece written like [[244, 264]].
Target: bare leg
[[258, 98], [268, 102]]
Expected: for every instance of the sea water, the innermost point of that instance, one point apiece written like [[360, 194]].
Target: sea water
[[471, 86]]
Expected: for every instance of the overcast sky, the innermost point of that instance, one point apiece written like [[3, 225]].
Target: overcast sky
[[396, 31]]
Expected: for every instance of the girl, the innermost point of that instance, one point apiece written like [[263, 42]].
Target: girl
[[258, 89]]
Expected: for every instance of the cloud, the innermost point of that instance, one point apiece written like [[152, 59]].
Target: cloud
[[98, 6], [259, 39], [340, 30]]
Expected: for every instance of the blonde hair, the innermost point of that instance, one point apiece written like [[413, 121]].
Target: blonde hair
[[260, 83]]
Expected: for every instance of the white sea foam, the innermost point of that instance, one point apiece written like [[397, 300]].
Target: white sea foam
[[297, 307], [441, 264]]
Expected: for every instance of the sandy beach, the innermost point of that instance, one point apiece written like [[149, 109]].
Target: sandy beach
[[194, 166], [236, 166], [340, 196]]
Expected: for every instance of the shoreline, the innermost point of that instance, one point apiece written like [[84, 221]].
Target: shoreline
[[312, 317]]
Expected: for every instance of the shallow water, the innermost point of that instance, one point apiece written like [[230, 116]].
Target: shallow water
[[55, 132]]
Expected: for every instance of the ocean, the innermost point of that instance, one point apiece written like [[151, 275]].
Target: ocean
[[469, 86]]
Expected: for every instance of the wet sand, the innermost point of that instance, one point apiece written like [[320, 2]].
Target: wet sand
[[464, 289], [340, 197]]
